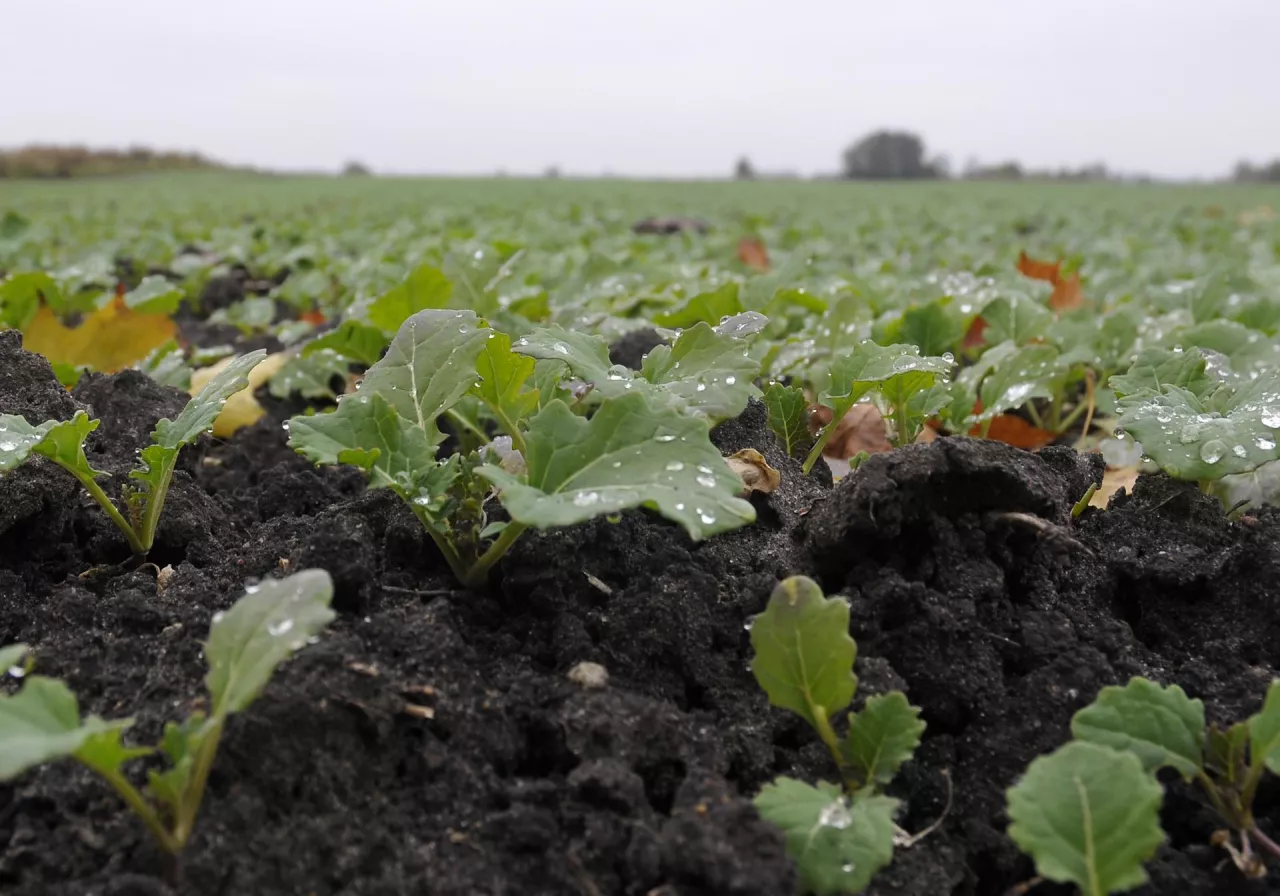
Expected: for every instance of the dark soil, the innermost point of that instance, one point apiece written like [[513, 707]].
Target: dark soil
[[432, 741]]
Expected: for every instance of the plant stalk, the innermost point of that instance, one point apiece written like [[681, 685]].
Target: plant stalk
[[193, 794], [155, 505], [816, 451], [143, 809], [479, 572], [95, 491]]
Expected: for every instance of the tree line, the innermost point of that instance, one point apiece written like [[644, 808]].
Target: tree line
[[901, 155], [81, 161]]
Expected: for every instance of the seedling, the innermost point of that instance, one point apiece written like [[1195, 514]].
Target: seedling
[[1193, 425], [63, 443], [906, 382], [839, 835], [42, 721], [1088, 813], [641, 447]]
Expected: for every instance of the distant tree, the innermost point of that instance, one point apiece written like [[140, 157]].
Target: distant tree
[[1010, 170], [552, 172], [1247, 173], [887, 155], [744, 170], [356, 169]]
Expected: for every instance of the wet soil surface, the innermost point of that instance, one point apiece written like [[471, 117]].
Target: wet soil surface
[[433, 742]]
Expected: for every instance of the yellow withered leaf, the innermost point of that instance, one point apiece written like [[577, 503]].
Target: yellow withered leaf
[[241, 409], [110, 339]]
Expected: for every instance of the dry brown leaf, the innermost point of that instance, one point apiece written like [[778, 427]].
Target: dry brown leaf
[[1067, 293], [1038, 270], [752, 253], [861, 429], [973, 337], [756, 474], [1263, 214], [1013, 430], [1112, 482], [241, 409], [110, 339]]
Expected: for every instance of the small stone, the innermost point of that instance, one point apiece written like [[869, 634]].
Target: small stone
[[589, 675], [164, 577]]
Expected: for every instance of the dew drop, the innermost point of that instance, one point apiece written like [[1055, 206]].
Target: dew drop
[[706, 481], [586, 499], [730, 380], [835, 815], [560, 347], [1265, 442], [1211, 452], [219, 616], [616, 464], [665, 437], [1269, 418], [17, 672], [276, 629], [702, 387], [680, 507], [251, 586], [1239, 451], [8, 446], [707, 518], [674, 466]]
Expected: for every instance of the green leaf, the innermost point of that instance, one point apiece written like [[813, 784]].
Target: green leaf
[[365, 431], [837, 846], [310, 375], [260, 631], [252, 315], [20, 296], [353, 340], [1224, 752], [1189, 437], [1156, 368], [18, 439], [628, 454], [1024, 374], [707, 370], [1088, 815], [503, 374], [104, 752], [180, 745], [167, 365], [11, 655], [425, 287], [430, 365], [198, 416], [789, 417], [586, 355], [1017, 319], [933, 328], [803, 652], [1161, 726], [868, 365], [42, 722], [882, 736], [1264, 731], [709, 307], [154, 295]]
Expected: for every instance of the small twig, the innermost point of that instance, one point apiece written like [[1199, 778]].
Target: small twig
[[1025, 887], [1046, 529], [906, 841], [1265, 842], [422, 592]]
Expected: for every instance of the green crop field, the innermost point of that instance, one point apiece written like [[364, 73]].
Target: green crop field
[[582, 459]]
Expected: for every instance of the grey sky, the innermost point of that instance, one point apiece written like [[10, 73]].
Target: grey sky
[[663, 87]]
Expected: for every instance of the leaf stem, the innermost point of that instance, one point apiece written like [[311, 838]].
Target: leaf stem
[[447, 549], [155, 503], [816, 451], [479, 572], [468, 425], [1034, 414], [510, 428], [95, 491], [822, 724], [143, 809], [1264, 841], [193, 793]]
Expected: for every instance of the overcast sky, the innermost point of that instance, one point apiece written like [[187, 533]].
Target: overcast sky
[[658, 87]]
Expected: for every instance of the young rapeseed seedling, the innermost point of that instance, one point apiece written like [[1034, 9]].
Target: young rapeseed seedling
[[1088, 813], [42, 722], [839, 835], [646, 442], [63, 443]]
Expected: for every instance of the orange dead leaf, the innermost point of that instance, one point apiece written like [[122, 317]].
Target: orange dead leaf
[[1038, 270], [315, 317], [752, 253], [1067, 293], [109, 339], [973, 337], [1013, 430]]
